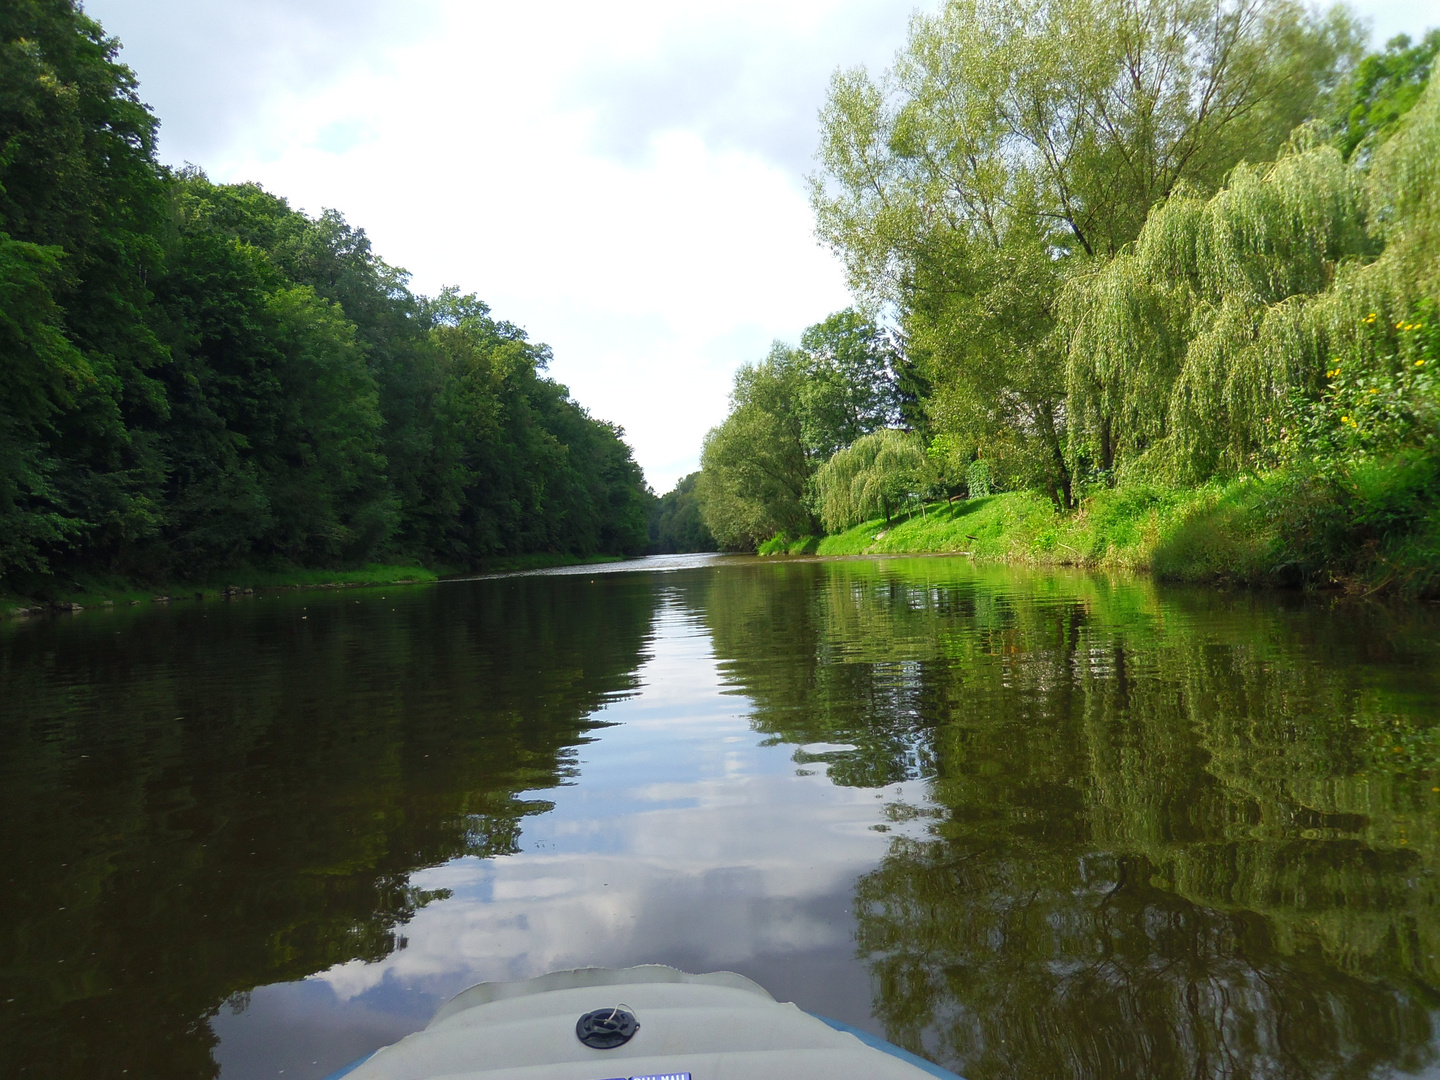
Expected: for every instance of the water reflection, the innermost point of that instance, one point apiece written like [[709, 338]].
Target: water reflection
[[1028, 824], [203, 800], [1178, 835]]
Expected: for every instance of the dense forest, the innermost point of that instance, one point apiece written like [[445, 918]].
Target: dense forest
[[1132, 246], [197, 377], [675, 521]]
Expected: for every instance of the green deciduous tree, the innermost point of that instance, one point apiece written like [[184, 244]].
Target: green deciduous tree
[[789, 415], [755, 471], [40, 370], [847, 381], [873, 477], [1383, 88], [1186, 349], [78, 177], [1013, 139], [195, 376], [676, 524]]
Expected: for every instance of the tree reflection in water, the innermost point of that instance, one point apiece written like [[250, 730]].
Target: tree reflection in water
[[1170, 833], [1165, 833], [202, 800]]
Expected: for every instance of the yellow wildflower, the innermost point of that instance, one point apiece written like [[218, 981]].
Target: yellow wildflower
[[1374, 391]]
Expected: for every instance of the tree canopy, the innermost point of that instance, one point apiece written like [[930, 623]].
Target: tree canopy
[[197, 376], [790, 414], [1013, 140], [1107, 239], [676, 524], [873, 477]]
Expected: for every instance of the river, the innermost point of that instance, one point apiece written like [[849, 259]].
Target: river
[[1027, 823]]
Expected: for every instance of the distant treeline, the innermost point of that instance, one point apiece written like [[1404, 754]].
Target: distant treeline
[[197, 376], [675, 521], [1129, 244]]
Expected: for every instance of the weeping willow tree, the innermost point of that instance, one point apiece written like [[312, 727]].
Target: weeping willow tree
[[1184, 350], [871, 478], [1188, 341], [1015, 141]]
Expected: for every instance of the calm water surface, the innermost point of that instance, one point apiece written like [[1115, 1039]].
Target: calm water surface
[[1028, 824]]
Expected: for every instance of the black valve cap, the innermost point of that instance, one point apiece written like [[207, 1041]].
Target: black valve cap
[[605, 1029]]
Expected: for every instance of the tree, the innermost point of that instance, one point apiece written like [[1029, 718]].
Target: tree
[[37, 379], [1187, 350], [1015, 138], [536, 472], [1383, 88], [871, 477], [755, 471], [848, 384], [788, 416], [676, 524], [1185, 346], [78, 179]]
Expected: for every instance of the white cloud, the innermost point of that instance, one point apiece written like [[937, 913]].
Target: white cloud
[[682, 819]]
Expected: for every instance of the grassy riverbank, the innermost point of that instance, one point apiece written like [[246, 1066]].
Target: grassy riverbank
[[105, 591], [1374, 529]]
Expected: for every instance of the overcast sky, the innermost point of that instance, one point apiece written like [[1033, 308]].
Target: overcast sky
[[624, 180]]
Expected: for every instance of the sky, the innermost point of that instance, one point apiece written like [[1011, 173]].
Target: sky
[[626, 180]]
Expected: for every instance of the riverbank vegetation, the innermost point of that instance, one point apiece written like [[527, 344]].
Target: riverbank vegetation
[[200, 380], [1166, 276], [675, 522]]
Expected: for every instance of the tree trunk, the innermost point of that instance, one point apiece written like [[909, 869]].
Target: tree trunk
[[1107, 449], [1061, 490]]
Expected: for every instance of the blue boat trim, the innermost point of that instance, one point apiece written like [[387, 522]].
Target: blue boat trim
[[345, 1070], [890, 1048]]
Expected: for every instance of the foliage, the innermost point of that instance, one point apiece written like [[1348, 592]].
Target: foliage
[[788, 416], [197, 376], [873, 476], [1012, 140], [1378, 530], [1188, 340], [781, 544], [1186, 347], [754, 468], [41, 369], [1382, 89], [978, 480], [675, 521], [848, 386], [1359, 416]]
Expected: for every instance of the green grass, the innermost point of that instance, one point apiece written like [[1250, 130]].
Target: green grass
[[1192, 534], [1377, 529], [784, 545], [99, 590]]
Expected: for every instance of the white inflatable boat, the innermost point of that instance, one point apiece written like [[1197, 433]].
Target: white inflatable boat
[[639, 1023]]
